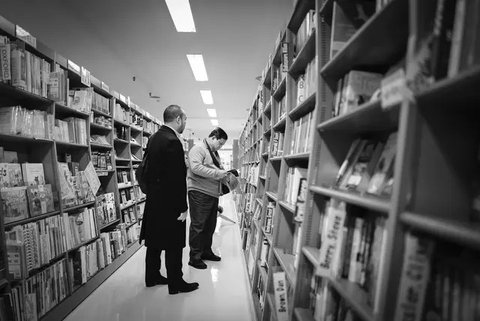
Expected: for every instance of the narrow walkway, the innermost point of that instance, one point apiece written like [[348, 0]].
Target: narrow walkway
[[223, 293]]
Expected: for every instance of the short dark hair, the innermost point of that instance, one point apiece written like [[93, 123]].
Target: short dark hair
[[218, 133], [171, 113]]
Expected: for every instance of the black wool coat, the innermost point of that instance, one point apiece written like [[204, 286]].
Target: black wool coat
[[167, 192]]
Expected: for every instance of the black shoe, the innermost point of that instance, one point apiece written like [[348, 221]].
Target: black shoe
[[198, 264], [160, 280], [184, 287], [211, 257]]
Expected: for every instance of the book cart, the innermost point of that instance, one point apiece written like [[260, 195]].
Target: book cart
[[389, 229], [54, 270]]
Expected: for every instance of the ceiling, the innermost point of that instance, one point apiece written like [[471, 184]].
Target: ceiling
[[117, 40]]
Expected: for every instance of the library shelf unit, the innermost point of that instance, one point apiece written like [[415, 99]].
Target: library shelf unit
[[108, 133], [412, 210]]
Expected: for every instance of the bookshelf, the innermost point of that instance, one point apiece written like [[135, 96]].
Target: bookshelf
[[419, 111], [80, 133]]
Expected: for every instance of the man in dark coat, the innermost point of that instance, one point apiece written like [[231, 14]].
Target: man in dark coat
[[164, 226]]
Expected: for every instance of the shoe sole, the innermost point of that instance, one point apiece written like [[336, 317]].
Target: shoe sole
[[198, 267]]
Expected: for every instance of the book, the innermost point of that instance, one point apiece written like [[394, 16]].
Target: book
[[384, 169], [33, 174], [40, 199], [414, 278], [14, 203], [10, 175], [358, 88]]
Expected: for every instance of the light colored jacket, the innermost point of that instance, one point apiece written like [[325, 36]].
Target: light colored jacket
[[203, 175]]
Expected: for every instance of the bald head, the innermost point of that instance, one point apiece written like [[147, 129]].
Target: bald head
[[175, 117]]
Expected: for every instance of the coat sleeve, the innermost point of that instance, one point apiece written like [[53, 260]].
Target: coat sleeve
[[179, 171], [196, 156]]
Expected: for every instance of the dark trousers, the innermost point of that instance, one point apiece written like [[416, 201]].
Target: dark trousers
[[173, 263], [203, 220]]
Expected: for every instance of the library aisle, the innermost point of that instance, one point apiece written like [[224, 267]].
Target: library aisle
[[223, 292]]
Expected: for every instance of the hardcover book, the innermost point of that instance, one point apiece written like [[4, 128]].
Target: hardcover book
[[14, 203], [10, 175], [40, 199], [33, 174]]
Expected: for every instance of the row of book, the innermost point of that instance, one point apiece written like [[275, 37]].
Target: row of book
[[277, 144], [279, 72], [128, 216], [33, 245], [351, 245], [23, 69], [450, 45], [136, 119], [326, 305], [101, 103], [368, 166], [302, 129], [124, 177], [101, 120], [295, 180], [307, 82], [442, 277], [39, 293], [120, 132], [75, 188], [81, 99], [105, 209], [121, 114], [16, 120], [102, 160], [99, 139], [304, 31], [279, 112], [150, 127], [71, 130], [268, 223]]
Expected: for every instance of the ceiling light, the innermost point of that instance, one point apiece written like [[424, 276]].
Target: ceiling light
[[207, 97], [214, 122], [212, 113], [198, 67], [181, 15]]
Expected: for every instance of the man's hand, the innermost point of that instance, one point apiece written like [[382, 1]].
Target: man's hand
[[224, 174], [182, 216]]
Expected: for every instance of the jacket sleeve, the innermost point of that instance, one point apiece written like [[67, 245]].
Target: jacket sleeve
[[196, 156]]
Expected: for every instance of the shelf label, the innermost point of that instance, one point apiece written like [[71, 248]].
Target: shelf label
[[394, 89], [334, 220], [280, 292], [85, 76], [24, 35]]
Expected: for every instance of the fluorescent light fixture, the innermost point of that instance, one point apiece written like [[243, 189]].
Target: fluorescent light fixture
[[181, 15], [207, 97], [214, 122], [198, 67], [212, 113]]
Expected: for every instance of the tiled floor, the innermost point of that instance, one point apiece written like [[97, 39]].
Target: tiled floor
[[223, 293]]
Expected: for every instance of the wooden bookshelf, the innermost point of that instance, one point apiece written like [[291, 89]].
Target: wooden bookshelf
[[50, 152], [434, 125]]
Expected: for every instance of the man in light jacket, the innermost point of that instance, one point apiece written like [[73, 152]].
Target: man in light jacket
[[204, 178]]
